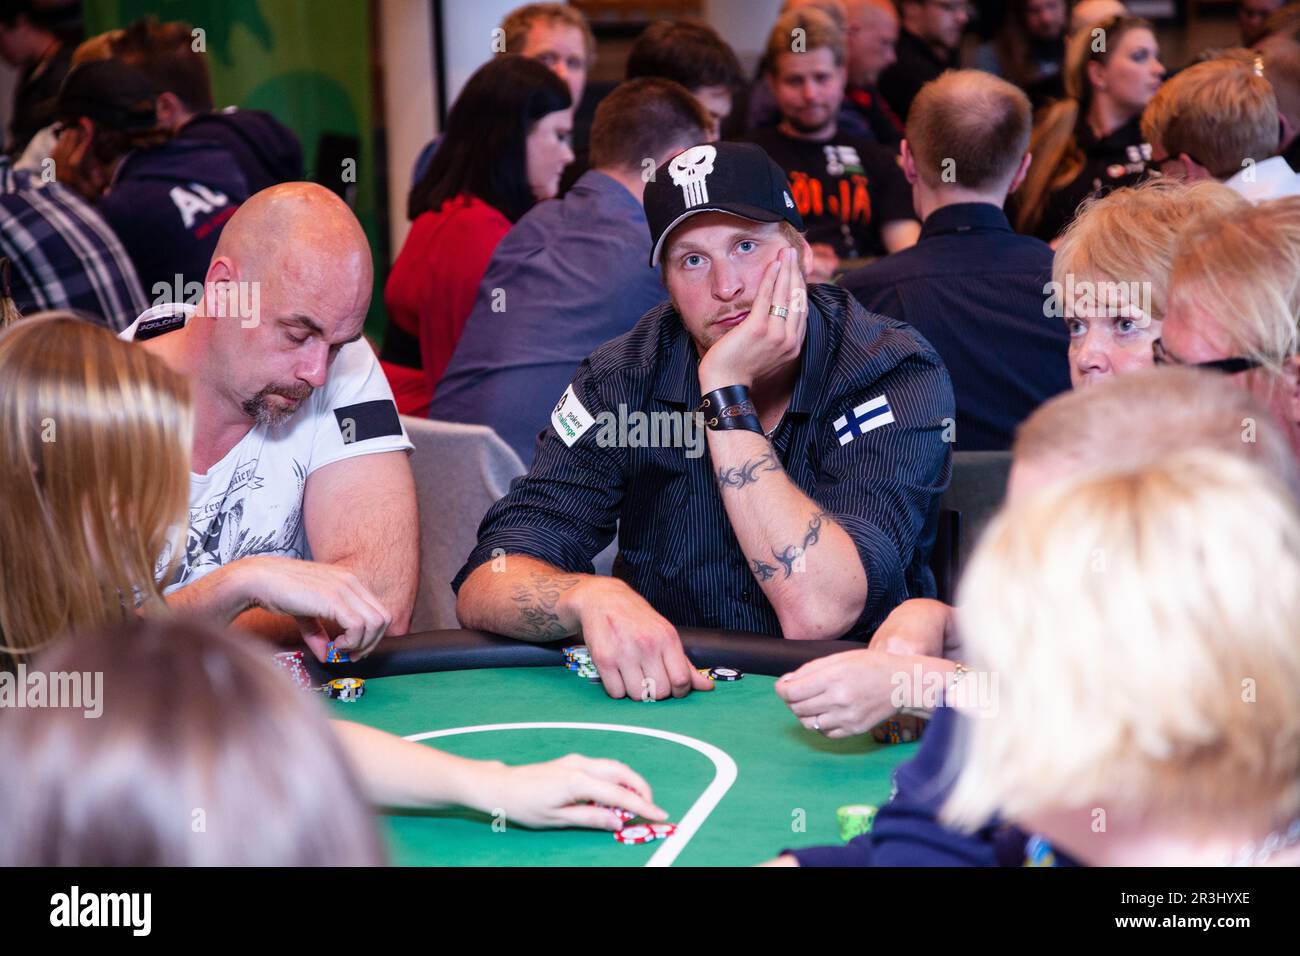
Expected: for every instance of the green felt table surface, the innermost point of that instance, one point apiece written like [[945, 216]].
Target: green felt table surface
[[788, 780]]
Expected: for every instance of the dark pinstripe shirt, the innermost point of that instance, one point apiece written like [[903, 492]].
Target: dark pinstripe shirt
[[676, 545]]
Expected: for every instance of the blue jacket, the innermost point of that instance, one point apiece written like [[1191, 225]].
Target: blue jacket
[[168, 205], [907, 831], [266, 151]]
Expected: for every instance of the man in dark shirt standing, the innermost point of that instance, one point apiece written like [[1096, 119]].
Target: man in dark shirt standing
[[849, 190], [973, 287], [815, 511], [928, 44]]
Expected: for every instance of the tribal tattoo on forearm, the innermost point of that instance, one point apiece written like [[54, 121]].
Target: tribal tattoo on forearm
[[748, 473], [792, 552], [536, 603]]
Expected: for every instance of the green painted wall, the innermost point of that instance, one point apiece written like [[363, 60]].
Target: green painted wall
[[305, 61]]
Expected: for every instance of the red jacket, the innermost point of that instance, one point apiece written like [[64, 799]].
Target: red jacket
[[432, 286]]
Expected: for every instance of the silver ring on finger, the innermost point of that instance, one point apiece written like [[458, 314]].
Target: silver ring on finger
[[780, 311], [817, 723]]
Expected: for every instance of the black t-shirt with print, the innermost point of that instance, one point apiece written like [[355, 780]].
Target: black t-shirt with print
[[845, 187], [1111, 162]]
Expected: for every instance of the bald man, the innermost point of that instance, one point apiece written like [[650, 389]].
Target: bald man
[[298, 452], [871, 32]]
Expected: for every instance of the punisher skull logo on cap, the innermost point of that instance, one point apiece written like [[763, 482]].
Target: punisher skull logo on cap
[[737, 178]]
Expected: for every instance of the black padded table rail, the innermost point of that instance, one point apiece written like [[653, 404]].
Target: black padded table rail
[[453, 650]]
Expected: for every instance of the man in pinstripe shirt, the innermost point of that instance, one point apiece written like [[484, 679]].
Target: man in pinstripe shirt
[[815, 510], [62, 253]]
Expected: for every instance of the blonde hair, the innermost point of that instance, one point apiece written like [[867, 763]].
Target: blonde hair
[[1057, 156], [1131, 234], [1143, 416], [95, 440], [1244, 269], [979, 121], [519, 22], [1220, 113], [820, 30], [195, 718], [1147, 641]]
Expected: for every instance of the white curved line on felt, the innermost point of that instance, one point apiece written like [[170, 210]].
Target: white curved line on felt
[[724, 773]]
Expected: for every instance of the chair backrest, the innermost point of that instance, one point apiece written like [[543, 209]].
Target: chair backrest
[[460, 471], [943, 556], [979, 484]]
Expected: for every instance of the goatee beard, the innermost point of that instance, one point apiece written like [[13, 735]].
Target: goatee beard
[[261, 411]]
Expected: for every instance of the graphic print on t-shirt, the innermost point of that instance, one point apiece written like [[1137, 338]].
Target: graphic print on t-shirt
[[842, 194], [845, 189], [219, 535]]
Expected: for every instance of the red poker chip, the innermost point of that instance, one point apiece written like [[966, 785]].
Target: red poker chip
[[636, 834], [663, 831], [293, 662]]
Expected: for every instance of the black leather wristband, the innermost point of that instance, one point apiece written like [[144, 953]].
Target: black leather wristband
[[725, 409]]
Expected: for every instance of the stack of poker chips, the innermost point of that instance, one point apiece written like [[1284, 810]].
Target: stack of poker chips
[[855, 820], [645, 833], [295, 664], [347, 689], [639, 832], [578, 659]]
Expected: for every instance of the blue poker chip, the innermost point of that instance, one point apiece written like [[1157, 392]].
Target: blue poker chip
[[335, 656], [725, 673]]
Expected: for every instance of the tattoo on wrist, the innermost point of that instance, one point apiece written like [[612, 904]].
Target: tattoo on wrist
[[748, 473], [537, 602], [792, 552]]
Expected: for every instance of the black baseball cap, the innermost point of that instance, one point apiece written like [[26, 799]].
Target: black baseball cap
[[738, 178], [109, 92]]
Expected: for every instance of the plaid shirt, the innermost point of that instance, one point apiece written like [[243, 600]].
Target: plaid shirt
[[63, 254]]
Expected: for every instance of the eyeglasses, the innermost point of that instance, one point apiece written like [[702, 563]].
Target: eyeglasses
[[1227, 366]]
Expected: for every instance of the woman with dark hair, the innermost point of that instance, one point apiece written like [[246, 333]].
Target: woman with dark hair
[[1029, 48], [1091, 142], [505, 146]]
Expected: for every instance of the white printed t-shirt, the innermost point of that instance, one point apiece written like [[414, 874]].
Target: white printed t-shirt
[[251, 501]]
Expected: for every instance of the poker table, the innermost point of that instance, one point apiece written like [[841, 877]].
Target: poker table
[[734, 769]]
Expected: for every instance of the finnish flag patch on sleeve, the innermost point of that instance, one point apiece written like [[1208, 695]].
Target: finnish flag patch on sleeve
[[862, 419]]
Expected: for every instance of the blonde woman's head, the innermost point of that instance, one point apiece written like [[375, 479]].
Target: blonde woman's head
[[1111, 271], [1144, 417], [1235, 294], [94, 461], [1141, 627]]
